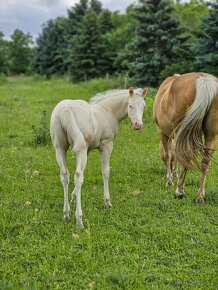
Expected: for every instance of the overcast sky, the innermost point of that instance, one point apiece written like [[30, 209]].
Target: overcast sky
[[29, 15]]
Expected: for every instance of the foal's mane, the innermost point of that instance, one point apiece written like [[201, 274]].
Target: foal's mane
[[111, 93]]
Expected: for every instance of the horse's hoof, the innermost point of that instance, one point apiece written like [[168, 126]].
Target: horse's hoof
[[179, 194], [107, 203], [169, 183], [200, 200]]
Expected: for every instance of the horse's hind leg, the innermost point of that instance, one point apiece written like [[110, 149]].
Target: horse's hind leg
[[81, 161], [180, 193], [166, 157], [65, 176], [210, 145]]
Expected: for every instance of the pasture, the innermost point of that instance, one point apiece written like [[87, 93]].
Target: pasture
[[148, 240]]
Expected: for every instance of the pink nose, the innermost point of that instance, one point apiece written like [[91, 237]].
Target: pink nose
[[138, 126]]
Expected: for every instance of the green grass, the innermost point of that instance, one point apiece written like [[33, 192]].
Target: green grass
[[148, 240]]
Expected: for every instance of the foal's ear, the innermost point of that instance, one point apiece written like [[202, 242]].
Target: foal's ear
[[131, 91], [144, 92]]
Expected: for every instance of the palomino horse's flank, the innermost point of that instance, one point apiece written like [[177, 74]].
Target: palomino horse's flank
[[186, 113], [189, 147]]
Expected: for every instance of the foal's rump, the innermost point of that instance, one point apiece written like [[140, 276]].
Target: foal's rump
[[69, 121]]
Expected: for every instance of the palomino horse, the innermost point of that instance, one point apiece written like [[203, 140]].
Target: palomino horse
[[185, 109], [86, 126]]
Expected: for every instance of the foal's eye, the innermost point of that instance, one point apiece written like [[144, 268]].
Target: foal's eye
[[130, 106]]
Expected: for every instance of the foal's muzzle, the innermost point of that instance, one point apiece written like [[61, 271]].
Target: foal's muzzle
[[137, 126]]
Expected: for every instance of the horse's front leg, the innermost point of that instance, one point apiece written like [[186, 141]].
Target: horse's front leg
[[81, 160], [106, 151], [210, 145]]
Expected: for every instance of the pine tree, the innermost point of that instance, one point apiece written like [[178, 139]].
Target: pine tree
[[105, 21], [89, 50], [96, 6], [51, 48], [158, 41], [206, 48], [75, 16]]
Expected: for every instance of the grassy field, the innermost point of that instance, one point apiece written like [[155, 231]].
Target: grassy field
[[148, 240]]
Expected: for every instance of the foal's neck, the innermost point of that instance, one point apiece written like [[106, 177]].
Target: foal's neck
[[116, 106]]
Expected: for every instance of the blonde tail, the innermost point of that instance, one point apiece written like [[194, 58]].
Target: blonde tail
[[189, 147]]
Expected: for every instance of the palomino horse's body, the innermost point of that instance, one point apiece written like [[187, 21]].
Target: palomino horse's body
[[185, 110], [86, 126]]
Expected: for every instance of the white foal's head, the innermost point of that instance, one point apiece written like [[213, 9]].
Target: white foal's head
[[136, 106]]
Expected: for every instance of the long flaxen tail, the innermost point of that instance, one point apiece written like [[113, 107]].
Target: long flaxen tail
[[189, 146]]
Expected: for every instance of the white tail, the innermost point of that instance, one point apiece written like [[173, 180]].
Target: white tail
[[69, 125], [188, 139]]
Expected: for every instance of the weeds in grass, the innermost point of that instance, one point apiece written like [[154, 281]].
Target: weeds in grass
[[41, 133]]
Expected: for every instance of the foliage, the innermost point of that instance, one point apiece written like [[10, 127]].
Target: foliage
[[151, 40], [159, 41], [148, 240], [20, 52], [51, 48], [189, 14], [41, 134], [4, 55], [206, 47]]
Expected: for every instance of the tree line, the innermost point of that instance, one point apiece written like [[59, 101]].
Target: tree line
[[153, 39]]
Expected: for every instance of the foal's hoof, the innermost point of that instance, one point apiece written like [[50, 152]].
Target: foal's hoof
[[79, 224], [66, 218], [107, 203], [200, 200], [179, 194]]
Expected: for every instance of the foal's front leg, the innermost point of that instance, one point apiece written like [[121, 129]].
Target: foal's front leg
[[106, 151]]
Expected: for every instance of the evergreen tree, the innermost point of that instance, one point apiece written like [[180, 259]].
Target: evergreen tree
[[105, 21], [121, 35], [96, 6], [158, 41], [51, 49], [89, 50], [75, 16], [206, 48], [4, 55], [21, 54]]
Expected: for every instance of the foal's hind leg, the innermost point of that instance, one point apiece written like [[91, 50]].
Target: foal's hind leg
[[205, 167], [106, 150], [81, 160], [64, 175], [73, 196]]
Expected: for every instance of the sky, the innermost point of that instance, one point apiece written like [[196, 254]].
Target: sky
[[29, 15]]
